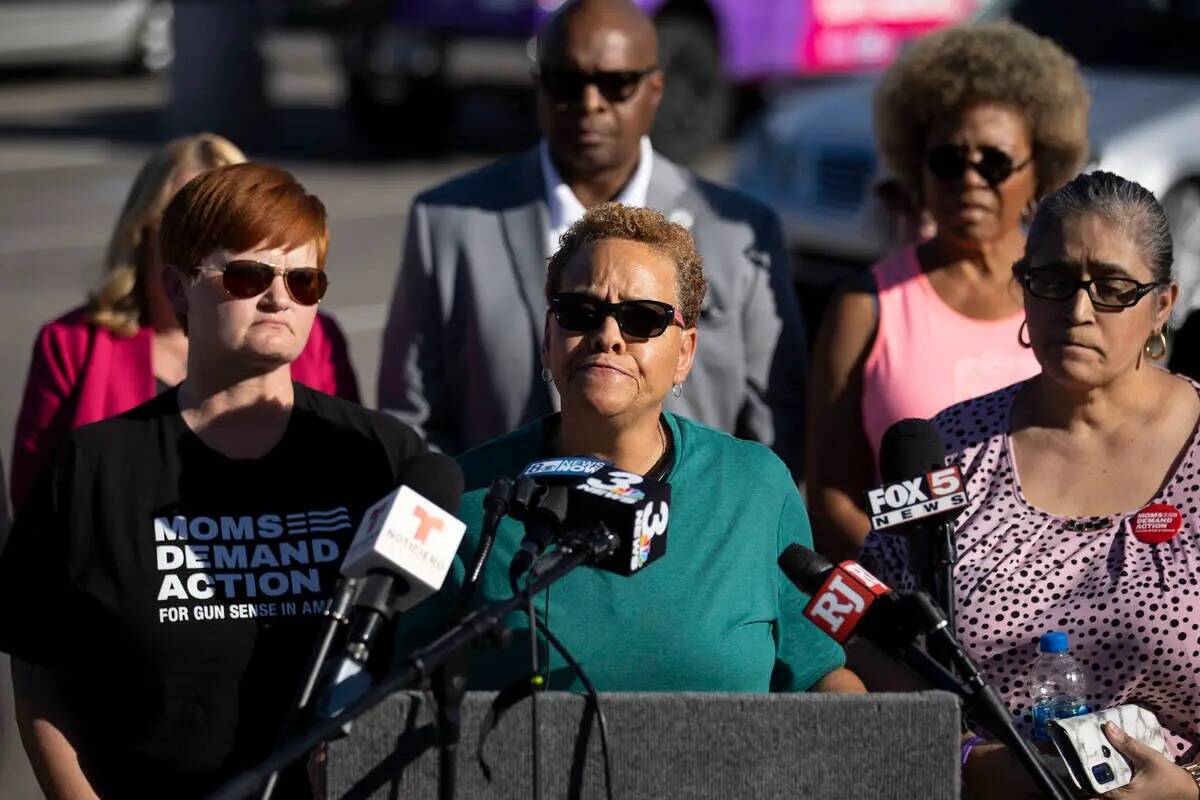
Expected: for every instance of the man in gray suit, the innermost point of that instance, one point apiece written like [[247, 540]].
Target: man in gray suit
[[461, 351]]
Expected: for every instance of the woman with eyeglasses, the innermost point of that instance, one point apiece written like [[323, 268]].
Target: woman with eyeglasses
[[126, 345], [166, 576], [1083, 482], [714, 613], [975, 123]]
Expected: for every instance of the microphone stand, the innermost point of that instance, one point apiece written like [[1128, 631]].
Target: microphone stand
[[338, 614], [933, 560], [975, 692], [450, 680], [587, 545], [543, 512], [944, 568]]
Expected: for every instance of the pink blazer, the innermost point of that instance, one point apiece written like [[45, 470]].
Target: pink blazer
[[81, 373]]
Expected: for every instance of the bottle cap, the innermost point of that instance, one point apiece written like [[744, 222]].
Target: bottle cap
[[1053, 642]]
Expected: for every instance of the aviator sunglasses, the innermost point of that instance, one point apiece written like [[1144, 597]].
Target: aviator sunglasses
[[244, 279], [949, 161], [567, 85], [641, 319]]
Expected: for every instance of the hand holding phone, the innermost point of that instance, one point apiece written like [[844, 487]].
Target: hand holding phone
[[1155, 776], [1095, 763]]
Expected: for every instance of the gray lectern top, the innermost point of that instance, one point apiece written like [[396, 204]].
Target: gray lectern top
[[685, 745]]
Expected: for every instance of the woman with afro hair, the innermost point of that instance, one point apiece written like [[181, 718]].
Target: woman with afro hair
[[974, 123]]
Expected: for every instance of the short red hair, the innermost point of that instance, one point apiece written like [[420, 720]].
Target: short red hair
[[240, 207]]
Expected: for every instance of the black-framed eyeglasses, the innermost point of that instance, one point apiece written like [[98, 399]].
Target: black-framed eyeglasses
[[244, 279], [1049, 283], [641, 319], [949, 161], [567, 85]]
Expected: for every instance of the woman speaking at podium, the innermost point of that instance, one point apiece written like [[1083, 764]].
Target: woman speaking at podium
[[714, 613]]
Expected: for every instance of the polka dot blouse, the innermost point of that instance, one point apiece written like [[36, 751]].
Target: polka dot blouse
[[1132, 609]]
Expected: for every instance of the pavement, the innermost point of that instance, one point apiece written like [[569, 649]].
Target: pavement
[[70, 145]]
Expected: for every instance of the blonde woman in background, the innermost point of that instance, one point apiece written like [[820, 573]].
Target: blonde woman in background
[[125, 344]]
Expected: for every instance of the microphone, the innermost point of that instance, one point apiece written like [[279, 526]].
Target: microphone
[[401, 553], [634, 509], [538, 500], [413, 531], [542, 507], [495, 508], [555, 496], [920, 498], [848, 600], [917, 484]]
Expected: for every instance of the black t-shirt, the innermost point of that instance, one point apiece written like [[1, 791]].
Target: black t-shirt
[[178, 591]]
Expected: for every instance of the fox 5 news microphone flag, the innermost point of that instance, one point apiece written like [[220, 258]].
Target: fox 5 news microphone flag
[[901, 502]]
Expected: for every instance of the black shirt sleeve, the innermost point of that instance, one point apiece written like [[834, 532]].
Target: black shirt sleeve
[[402, 443], [39, 604]]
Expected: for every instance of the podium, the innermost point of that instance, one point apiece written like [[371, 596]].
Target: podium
[[686, 745]]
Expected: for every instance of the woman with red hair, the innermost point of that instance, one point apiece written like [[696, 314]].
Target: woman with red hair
[[125, 345], [171, 563]]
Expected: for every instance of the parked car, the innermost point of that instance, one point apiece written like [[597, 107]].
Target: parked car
[[812, 155], [402, 56], [134, 35]]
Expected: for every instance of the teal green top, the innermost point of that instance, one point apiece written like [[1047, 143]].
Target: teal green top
[[713, 614]]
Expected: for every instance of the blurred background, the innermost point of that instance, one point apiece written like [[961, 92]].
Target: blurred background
[[370, 101]]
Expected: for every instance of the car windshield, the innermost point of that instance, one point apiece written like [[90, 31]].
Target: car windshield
[[1129, 34]]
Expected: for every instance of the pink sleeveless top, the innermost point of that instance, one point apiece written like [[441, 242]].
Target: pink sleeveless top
[[927, 356]]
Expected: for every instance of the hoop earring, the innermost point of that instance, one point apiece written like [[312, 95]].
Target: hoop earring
[[1156, 346], [1024, 329], [677, 389], [546, 375]]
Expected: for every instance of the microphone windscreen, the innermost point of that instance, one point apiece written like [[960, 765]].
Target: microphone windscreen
[[910, 447], [805, 568], [436, 477]]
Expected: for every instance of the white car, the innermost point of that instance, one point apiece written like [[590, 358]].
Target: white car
[[129, 34], [812, 156]]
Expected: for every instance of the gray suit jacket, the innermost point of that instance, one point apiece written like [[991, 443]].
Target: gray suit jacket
[[461, 348]]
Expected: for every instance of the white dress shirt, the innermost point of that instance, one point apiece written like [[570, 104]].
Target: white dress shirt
[[565, 208]]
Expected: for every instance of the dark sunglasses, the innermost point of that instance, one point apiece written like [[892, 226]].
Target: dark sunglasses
[[567, 85], [1049, 283], [641, 319], [245, 279], [948, 162]]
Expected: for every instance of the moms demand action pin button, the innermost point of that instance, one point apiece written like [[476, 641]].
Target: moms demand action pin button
[[1157, 523]]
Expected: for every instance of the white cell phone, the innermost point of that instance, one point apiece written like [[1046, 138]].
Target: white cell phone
[[1092, 762]]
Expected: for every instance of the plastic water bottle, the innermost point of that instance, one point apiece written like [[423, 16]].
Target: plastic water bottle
[[1057, 684]]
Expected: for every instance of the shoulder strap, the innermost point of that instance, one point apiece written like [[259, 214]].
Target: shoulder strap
[[863, 283]]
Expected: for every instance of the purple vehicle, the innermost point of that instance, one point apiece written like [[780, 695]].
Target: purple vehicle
[[405, 54]]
